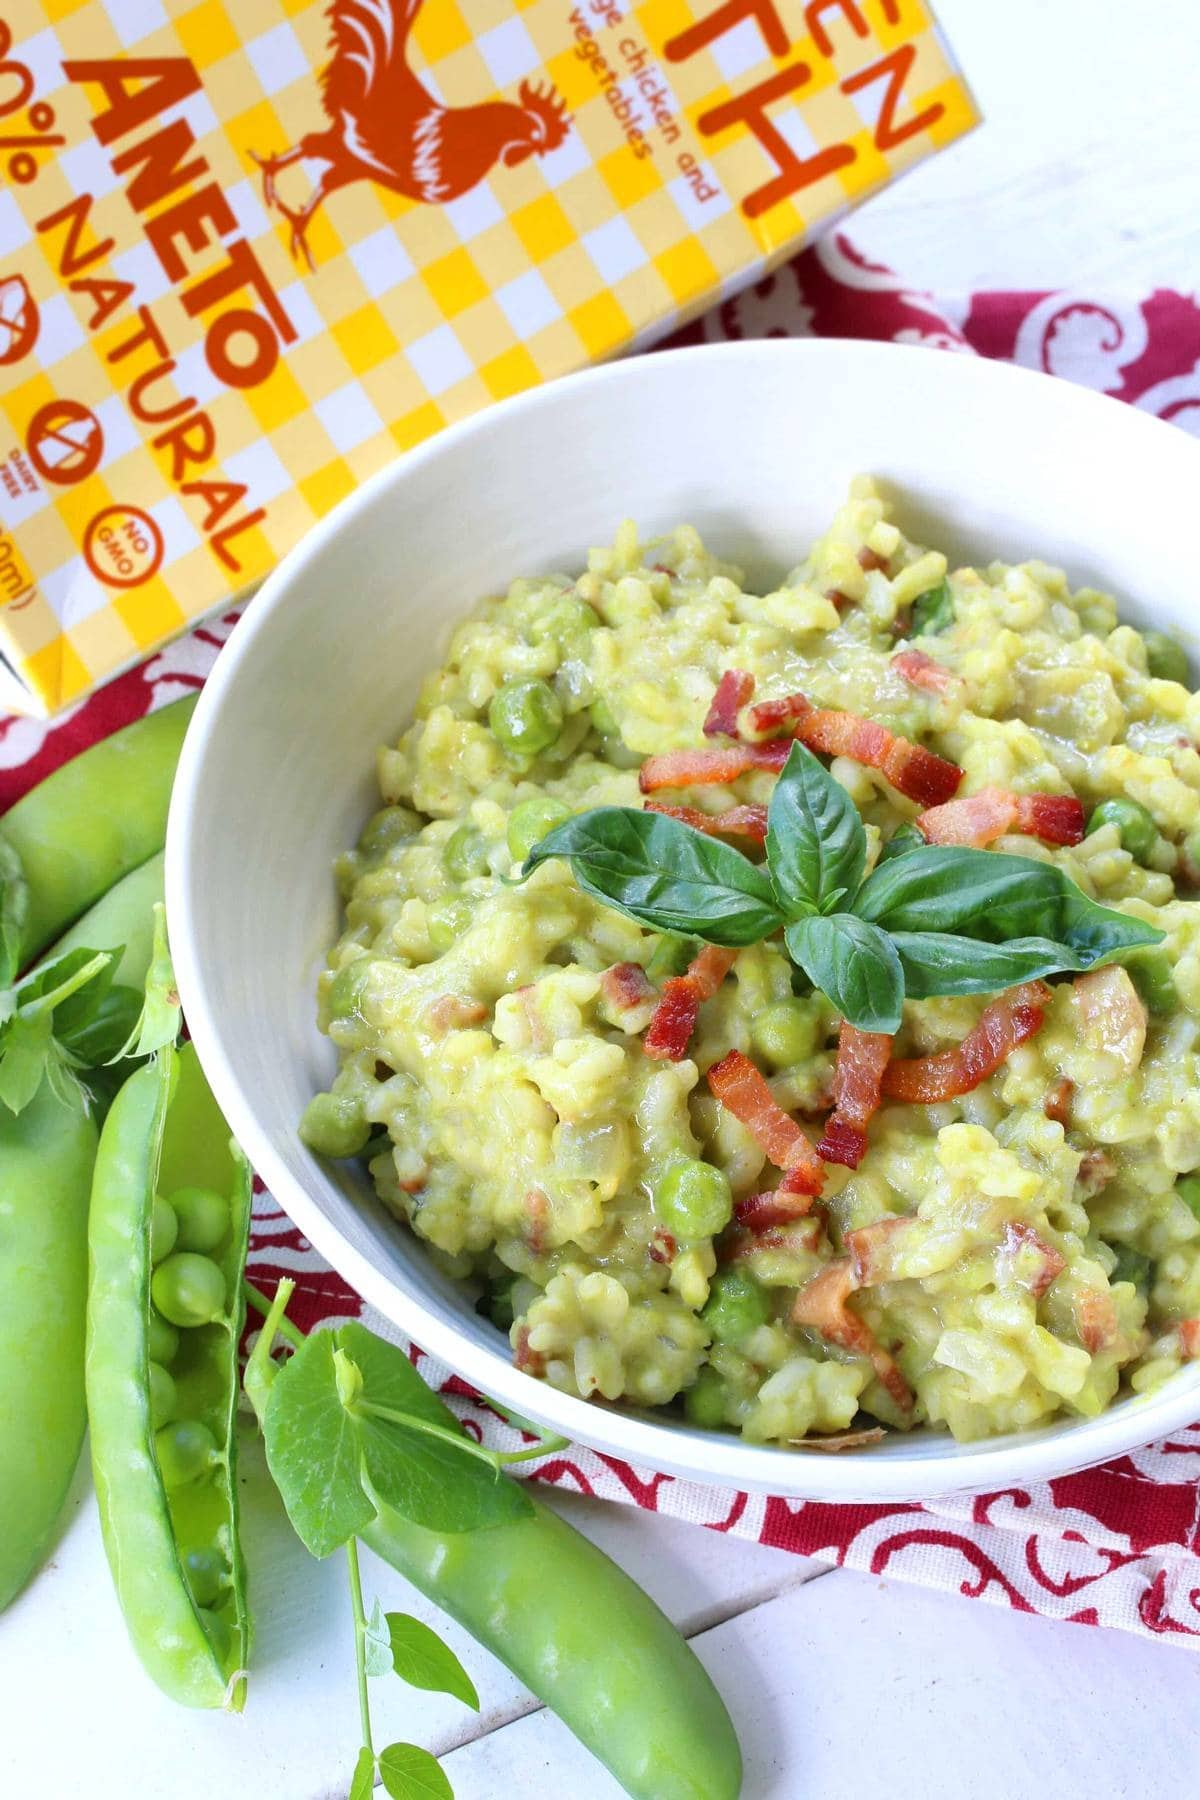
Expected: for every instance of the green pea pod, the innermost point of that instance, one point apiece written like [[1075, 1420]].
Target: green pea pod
[[92, 821], [164, 1443], [123, 919], [577, 1631], [46, 1155]]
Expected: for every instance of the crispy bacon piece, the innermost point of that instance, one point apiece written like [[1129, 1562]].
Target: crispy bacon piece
[[912, 770], [871, 559], [979, 819], [771, 715], [1046, 1269], [1055, 818], [743, 1089], [1095, 1320], [530, 1362], [735, 821], [626, 985], [453, 1012], [1057, 1104], [703, 767], [1008, 1021], [1113, 1014], [821, 1305], [537, 1218], [843, 1440], [794, 1237], [873, 1249], [921, 671], [1096, 1170], [861, 1059], [670, 1030], [662, 1247], [733, 691], [1189, 1337], [759, 1212]]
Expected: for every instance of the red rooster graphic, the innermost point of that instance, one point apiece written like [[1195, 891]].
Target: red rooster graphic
[[385, 127]]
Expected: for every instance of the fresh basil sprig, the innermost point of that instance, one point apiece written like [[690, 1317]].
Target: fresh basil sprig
[[665, 875], [929, 920]]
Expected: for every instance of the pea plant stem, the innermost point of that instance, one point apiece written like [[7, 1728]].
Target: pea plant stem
[[360, 1634], [496, 1459], [264, 1307]]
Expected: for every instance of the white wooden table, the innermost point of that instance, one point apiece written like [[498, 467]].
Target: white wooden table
[[839, 1684]]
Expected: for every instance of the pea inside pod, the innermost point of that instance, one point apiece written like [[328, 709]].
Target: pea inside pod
[[162, 1405]]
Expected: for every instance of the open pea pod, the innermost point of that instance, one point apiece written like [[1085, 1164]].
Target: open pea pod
[[162, 1380]]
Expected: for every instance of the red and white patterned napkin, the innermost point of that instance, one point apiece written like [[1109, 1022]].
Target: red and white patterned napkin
[[1118, 1545]]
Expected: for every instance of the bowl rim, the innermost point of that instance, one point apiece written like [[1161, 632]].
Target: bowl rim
[[706, 1457]]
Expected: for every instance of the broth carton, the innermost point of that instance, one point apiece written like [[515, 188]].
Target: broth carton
[[250, 253]]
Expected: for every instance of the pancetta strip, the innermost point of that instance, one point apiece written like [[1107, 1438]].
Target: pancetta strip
[[1008, 1021]]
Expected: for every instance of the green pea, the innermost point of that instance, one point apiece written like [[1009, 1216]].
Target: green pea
[[1131, 1265], [1166, 658], [465, 854], [693, 1199], [736, 1306], [1136, 827], [1154, 979], [704, 1401], [162, 1395], [525, 717], [604, 719], [784, 1033], [203, 1217], [529, 822], [1189, 869], [185, 1449], [333, 1126], [344, 996], [671, 956], [568, 617], [162, 1339], [933, 611], [163, 1229], [1188, 1189], [207, 1575], [446, 923], [390, 826], [188, 1290], [904, 838]]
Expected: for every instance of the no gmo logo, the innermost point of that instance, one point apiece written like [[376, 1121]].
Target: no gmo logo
[[123, 546]]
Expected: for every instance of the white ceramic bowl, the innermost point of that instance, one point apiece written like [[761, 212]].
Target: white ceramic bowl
[[754, 444]]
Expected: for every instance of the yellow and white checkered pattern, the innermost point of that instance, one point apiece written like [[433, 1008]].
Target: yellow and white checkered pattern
[[416, 314]]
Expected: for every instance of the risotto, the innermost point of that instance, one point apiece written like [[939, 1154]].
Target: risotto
[[680, 1169]]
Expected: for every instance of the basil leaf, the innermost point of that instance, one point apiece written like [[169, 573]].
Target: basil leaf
[[906, 838], [664, 874], [816, 845], [854, 964], [14, 910], [992, 898], [938, 962]]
